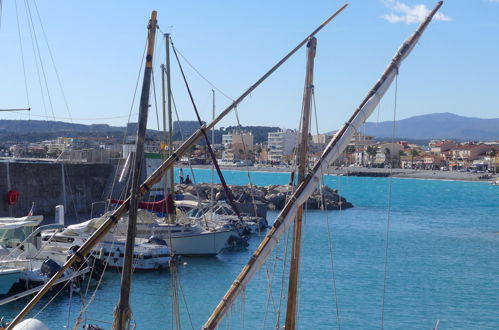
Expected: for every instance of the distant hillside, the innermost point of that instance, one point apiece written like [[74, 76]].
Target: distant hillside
[[437, 126], [39, 130]]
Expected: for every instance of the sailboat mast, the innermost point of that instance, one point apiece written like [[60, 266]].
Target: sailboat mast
[[123, 311], [154, 178], [170, 115], [212, 198], [302, 167], [333, 150]]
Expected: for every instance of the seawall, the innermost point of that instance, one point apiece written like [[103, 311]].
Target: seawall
[[76, 186]]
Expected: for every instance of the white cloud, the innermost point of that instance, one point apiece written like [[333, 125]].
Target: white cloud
[[411, 15], [493, 1]]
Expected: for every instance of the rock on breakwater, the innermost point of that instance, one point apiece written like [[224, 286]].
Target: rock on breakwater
[[274, 196]]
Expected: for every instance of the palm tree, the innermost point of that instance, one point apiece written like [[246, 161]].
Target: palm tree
[[371, 151], [387, 153], [492, 155], [401, 153], [414, 153]]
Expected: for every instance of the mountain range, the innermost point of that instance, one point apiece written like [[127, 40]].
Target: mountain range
[[437, 126]]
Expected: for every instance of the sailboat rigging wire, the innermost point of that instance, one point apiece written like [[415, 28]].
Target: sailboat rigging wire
[[330, 248], [227, 190], [22, 53], [389, 209], [308, 186], [203, 77], [283, 280], [325, 210], [33, 48], [53, 63], [32, 24], [246, 153]]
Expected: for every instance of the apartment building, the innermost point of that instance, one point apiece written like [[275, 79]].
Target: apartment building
[[281, 143]]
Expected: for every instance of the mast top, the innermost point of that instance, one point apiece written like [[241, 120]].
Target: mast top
[[152, 26]]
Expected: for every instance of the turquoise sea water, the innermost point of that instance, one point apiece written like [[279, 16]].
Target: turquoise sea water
[[443, 264]]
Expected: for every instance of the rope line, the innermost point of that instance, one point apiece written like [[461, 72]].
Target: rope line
[[204, 78], [388, 215]]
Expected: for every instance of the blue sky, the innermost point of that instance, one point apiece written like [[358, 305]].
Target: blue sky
[[97, 47]]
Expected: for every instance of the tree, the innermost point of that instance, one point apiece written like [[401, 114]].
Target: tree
[[492, 154], [371, 152], [414, 153], [401, 153]]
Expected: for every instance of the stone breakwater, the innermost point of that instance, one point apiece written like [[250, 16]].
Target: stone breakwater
[[274, 196]]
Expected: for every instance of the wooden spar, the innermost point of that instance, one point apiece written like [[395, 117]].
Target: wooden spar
[[27, 109], [86, 247], [184, 147], [307, 187], [123, 312], [102, 231], [170, 117], [212, 197], [165, 136], [302, 166]]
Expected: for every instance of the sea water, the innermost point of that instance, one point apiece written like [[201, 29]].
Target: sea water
[[442, 263]]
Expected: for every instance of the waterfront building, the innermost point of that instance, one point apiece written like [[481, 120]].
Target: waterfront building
[[437, 147], [238, 146], [281, 144]]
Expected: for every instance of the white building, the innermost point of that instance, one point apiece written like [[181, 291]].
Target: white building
[[281, 143], [238, 145]]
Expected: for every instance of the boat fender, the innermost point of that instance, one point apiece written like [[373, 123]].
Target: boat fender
[[31, 324], [116, 254], [156, 240], [12, 197], [49, 267], [98, 267]]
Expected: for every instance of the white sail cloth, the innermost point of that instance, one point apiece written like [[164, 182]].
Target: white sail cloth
[[334, 149]]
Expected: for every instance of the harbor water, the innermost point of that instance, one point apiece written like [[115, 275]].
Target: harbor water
[[442, 264]]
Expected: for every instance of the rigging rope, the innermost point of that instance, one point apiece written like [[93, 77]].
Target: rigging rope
[[22, 53], [388, 214], [228, 192], [204, 78], [53, 63], [31, 23], [329, 232], [36, 62]]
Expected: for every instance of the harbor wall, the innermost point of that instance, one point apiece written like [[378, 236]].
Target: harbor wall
[[76, 186]]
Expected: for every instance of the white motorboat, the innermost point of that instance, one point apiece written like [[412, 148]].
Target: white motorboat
[[23, 265], [183, 238], [148, 254], [10, 274], [221, 214]]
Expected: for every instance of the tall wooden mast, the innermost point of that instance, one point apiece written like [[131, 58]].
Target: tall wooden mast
[[305, 189], [302, 167], [123, 311], [102, 231], [169, 186]]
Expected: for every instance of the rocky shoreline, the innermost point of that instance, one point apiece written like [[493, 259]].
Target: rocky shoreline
[[273, 196]]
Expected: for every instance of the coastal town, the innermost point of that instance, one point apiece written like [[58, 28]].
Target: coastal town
[[278, 164], [240, 147]]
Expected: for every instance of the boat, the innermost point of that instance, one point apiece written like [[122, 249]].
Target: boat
[[10, 274], [184, 236], [221, 215], [25, 265], [286, 217], [149, 254]]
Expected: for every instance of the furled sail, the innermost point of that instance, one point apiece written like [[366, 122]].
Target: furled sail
[[332, 151]]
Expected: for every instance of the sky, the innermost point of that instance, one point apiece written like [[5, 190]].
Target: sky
[[97, 49]]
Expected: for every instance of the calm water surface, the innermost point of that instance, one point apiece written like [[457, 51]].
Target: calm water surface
[[443, 264]]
